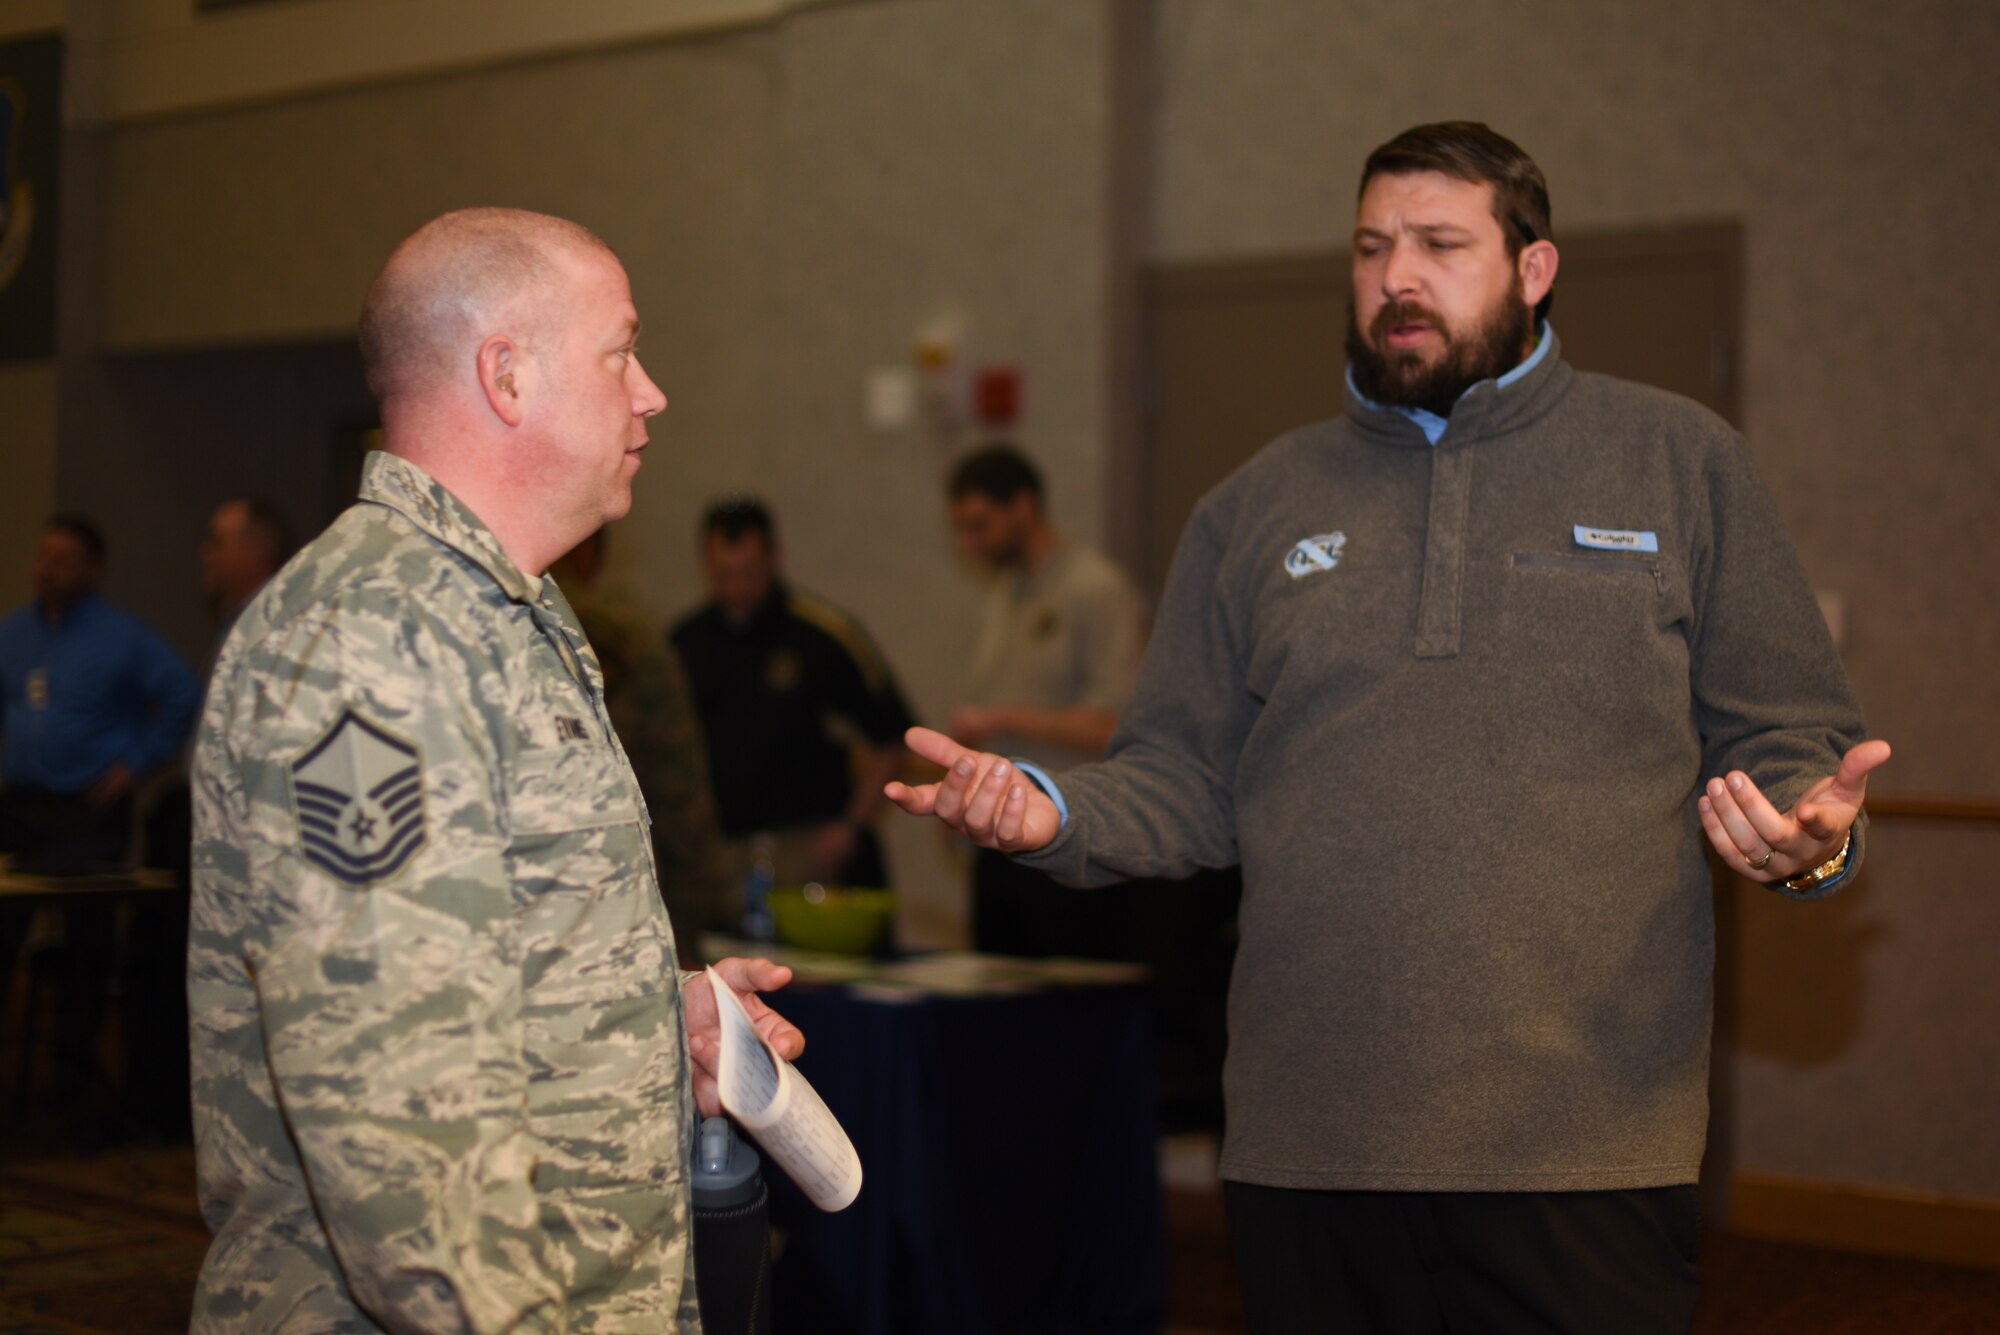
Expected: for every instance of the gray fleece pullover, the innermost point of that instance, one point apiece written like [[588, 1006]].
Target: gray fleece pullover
[[1457, 755]]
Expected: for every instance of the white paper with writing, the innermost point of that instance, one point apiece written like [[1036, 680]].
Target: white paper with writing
[[780, 1110]]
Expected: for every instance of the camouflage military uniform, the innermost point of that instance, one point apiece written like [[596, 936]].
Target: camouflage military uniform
[[439, 1072], [652, 708]]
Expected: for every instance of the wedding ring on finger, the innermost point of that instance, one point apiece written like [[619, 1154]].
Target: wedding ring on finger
[[1758, 864]]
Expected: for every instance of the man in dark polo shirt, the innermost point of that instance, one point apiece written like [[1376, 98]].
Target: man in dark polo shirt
[[789, 690]]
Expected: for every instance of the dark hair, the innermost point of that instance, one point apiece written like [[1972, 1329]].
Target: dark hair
[[731, 517], [270, 527], [88, 534], [1472, 151], [998, 472]]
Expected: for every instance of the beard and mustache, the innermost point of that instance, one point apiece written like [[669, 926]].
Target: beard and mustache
[[1404, 379]]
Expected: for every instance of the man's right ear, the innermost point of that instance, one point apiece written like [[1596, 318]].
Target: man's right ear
[[497, 364]]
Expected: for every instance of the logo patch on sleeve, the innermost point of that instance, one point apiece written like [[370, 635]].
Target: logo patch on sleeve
[[359, 797]]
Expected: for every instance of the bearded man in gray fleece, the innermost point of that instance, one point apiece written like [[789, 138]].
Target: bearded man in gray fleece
[[1411, 665]]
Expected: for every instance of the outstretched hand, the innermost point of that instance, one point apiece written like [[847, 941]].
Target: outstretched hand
[[1764, 845], [704, 1021], [982, 796]]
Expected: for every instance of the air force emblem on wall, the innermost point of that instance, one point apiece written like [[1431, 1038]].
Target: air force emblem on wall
[[17, 197], [359, 794], [1311, 555]]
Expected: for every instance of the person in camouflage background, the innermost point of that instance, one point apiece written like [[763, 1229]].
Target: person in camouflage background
[[441, 1053], [652, 708]]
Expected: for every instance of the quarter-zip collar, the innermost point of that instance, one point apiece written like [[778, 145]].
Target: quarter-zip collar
[[1487, 409]]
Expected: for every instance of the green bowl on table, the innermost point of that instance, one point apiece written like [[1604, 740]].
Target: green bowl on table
[[841, 920]]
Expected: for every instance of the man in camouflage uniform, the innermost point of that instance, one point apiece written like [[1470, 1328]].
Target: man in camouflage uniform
[[441, 1053]]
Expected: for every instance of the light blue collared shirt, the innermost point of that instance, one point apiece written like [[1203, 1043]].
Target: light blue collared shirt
[[1047, 785], [1429, 422]]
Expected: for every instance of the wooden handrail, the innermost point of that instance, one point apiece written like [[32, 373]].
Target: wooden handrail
[[1933, 806]]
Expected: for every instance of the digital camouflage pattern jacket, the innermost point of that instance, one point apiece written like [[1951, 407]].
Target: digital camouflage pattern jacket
[[439, 1070]]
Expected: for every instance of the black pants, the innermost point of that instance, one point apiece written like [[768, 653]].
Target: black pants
[[865, 865], [67, 834], [1183, 932], [1400, 1263], [1017, 910], [63, 834], [154, 977]]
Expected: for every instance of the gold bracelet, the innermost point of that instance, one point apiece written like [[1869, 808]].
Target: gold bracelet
[[1825, 871]]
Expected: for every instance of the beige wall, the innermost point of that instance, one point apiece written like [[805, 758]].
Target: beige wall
[[1854, 142], [792, 207], [161, 57], [23, 18], [1867, 1046]]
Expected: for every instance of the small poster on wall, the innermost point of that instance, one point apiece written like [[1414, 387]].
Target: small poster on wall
[[30, 138]]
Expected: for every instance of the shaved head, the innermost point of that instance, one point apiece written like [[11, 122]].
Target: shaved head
[[455, 280], [503, 349]]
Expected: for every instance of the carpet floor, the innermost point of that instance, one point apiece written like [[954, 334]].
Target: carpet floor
[[110, 1243]]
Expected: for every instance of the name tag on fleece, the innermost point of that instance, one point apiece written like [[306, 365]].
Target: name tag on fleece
[[1616, 539]]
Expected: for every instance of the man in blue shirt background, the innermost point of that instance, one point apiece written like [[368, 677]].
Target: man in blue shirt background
[[91, 701], [93, 698]]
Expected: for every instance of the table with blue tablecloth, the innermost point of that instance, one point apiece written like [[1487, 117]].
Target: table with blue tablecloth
[[1005, 1115]]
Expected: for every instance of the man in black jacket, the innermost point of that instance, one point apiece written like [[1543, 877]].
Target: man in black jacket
[[789, 689]]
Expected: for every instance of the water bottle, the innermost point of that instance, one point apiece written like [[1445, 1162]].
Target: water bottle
[[758, 924], [732, 1233]]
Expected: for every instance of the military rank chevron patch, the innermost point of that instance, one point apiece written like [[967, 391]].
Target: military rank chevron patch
[[358, 794]]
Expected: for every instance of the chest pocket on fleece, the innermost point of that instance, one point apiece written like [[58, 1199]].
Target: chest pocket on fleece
[[1623, 612]]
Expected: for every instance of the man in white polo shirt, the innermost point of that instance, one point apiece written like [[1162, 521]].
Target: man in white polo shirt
[[1060, 639]]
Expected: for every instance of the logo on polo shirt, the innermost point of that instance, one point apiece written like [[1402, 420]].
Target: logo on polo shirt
[[1309, 556], [783, 671], [358, 796]]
